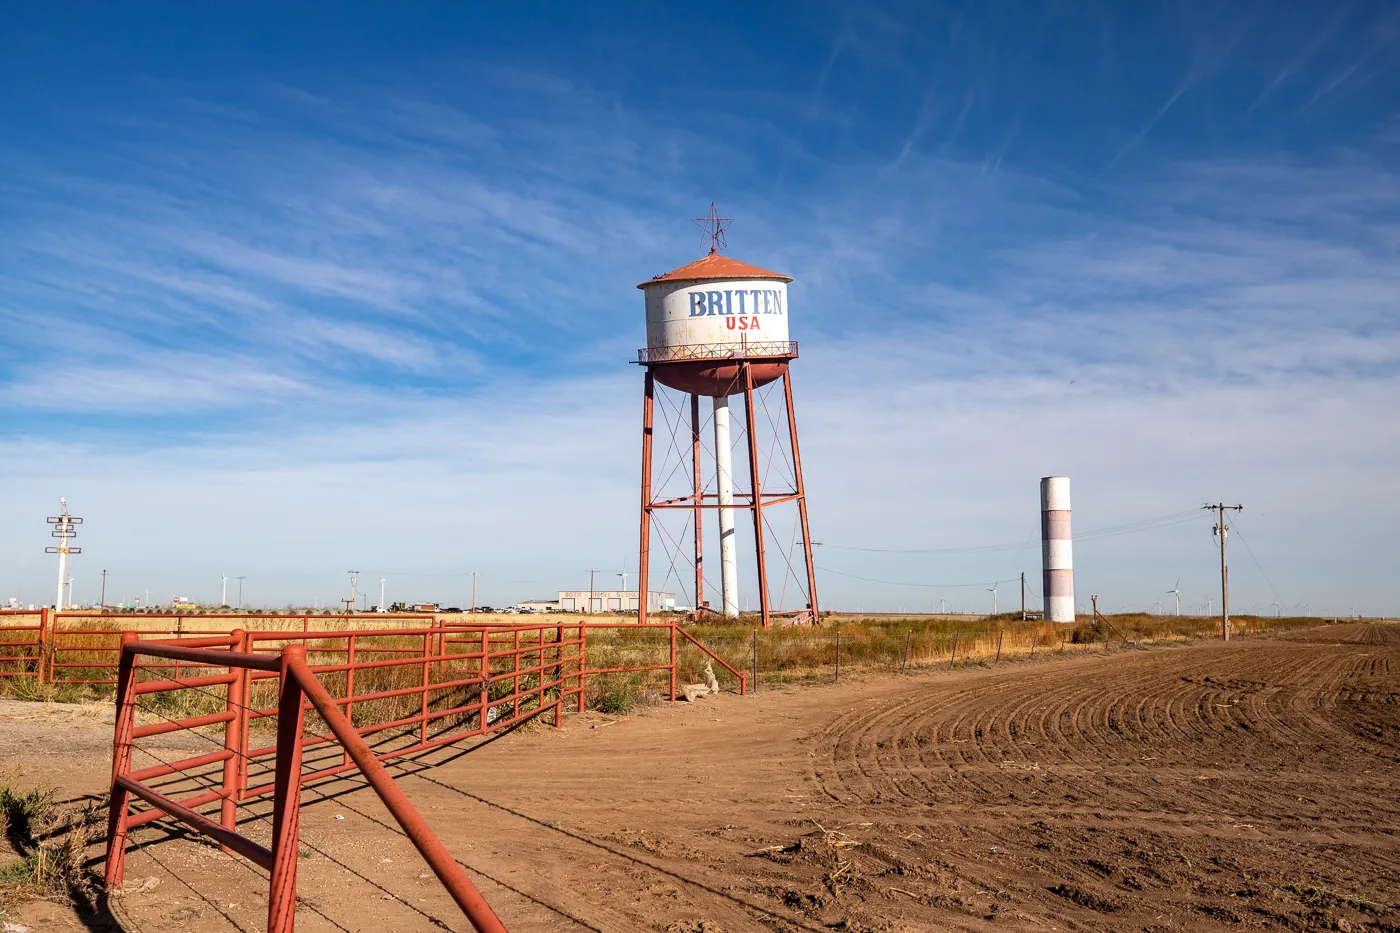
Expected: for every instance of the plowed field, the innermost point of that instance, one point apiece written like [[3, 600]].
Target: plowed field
[[1211, 787]]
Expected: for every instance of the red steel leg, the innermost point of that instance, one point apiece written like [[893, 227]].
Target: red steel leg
[[697, 481], [756, 485], [644, 559], [801, 491]]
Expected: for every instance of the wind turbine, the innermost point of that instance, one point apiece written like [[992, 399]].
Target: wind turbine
[[1176, 591], [942, 605], [1278, 608], [1159, 607], [1210, 605], [993, 590]]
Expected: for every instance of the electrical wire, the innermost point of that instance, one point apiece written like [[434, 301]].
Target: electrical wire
[[1146, 524], [949, 586], [1277, 595]]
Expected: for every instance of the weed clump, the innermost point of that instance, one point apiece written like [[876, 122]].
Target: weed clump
[[51, 843]]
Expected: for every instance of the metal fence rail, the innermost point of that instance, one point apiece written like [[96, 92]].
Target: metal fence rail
[[22, 643], [82, 648], [411, 690]]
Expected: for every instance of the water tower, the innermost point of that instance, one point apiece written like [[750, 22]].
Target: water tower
[[717, 329]]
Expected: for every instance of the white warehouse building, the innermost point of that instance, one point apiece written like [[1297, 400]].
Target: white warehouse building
[[601, 601]]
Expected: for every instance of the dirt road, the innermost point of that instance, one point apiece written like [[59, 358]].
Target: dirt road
[[1212, 787]]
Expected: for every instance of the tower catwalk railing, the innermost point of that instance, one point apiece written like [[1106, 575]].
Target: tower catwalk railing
[[759, 349]]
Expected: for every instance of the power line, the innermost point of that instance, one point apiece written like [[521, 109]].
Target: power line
[[1236, 525], [1146, 524], [948, 586]]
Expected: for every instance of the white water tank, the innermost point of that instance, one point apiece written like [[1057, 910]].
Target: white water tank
[[713, 307]]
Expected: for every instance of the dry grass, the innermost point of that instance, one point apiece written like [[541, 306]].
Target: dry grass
[[804, 654], [792, 655], [48, 846]]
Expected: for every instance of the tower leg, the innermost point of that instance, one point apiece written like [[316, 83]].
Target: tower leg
[[801, 491], [644, 555], [699, 501], [755, 485], [724, 486]]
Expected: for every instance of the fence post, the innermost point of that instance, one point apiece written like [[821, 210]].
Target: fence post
[[228, 817], [244, 717], [673, 661], [485, 671], [838, 654], [583, 664], [43, 644], [514, 682], [755, 660], [904, 661], [954, 656], [558, 675], [423, 709], [121, 764], [349, 690], [1000, 635], [286, 801]]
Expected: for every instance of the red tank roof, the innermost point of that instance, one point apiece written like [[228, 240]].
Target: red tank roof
[[715, 266]]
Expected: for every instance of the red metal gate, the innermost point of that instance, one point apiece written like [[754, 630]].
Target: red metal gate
[[411, 689]]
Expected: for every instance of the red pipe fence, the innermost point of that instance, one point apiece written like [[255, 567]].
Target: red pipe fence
[[381, 693]]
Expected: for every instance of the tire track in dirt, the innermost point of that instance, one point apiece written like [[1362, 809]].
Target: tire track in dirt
[[1248, 738]]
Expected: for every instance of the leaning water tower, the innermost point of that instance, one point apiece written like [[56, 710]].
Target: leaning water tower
[[717, 329]]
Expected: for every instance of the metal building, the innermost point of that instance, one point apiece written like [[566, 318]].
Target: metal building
[[613, 601]]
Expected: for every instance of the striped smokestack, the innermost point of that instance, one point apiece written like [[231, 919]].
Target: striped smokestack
[[1056, 549]]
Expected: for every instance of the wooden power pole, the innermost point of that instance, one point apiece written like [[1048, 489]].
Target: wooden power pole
[[591, 572], [1023, 596], [1220, 509]]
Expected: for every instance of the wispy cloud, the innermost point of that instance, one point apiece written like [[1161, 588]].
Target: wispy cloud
[[372, 303]]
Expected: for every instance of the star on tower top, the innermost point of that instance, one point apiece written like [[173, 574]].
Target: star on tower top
[[714, 227]]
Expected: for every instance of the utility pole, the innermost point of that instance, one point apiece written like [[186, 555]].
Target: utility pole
[[473, 591], [1220, 528], [103, 600], [591, 572], [1023, 596], [240, 591], [350, 603]]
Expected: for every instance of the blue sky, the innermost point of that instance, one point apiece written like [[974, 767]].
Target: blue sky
[[285, 291]]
